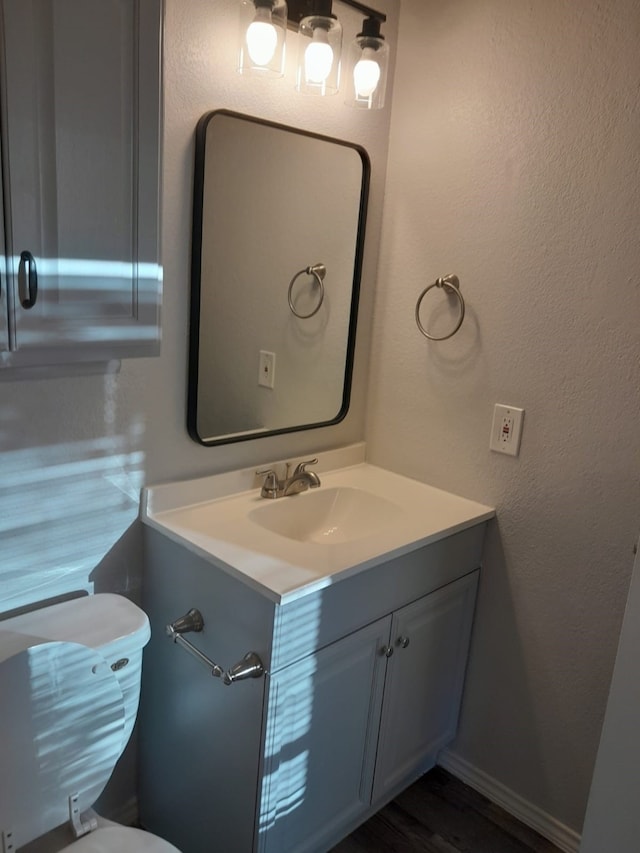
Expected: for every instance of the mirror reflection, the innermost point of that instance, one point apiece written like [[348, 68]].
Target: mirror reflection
[[278, 227]]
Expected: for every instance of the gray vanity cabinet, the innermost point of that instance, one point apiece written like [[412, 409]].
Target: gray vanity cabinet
[[320, 743], [424, 681], [351, 725], [80, 120], [362, 689]]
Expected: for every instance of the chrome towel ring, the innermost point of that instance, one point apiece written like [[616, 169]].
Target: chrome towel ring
[[318, 271], [452, 284]]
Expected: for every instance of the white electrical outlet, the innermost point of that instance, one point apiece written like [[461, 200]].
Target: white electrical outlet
[[506, 429], [267, 369]]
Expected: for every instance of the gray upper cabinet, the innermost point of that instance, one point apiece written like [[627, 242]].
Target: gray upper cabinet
[[4, 309], [81, 129]]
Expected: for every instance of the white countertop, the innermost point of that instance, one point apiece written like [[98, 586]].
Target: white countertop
[[283, 569]]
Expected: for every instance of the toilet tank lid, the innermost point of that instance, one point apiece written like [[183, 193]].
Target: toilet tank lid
[[95, 621]]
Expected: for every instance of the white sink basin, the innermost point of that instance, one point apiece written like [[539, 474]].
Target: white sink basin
[[327, 516], [285, 548]]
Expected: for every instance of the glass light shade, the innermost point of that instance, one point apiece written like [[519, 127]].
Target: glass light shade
[[319, 48], [262, 37], [366, 74]]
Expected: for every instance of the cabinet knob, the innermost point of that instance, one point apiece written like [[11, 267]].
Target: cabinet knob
[[403, 642], [386, 651]]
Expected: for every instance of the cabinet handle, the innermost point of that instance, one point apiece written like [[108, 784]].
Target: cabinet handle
[[27, 280], [403, 642], [386, 651]]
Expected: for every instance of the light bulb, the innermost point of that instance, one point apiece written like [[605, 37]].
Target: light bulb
[[262, 37], [366, 74], [318, 57]]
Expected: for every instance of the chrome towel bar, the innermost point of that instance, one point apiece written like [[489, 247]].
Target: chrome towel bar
[[249, 667]]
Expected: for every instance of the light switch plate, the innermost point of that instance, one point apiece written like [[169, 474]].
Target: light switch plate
[[506, 429], [267, 369]]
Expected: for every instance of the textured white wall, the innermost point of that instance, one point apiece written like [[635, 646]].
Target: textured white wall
[[514, 162]]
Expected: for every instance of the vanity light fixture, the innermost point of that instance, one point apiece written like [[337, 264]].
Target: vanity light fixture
[[262, 44], [263, 30], [367, 63], [319, 53]]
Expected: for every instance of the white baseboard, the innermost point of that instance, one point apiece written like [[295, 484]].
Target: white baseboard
[[561, 835]]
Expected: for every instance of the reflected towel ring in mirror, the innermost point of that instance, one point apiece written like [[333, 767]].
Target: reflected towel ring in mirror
[[451, 283], [318, 271]]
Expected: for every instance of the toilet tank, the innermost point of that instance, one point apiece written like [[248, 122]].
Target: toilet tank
[[110, 624]]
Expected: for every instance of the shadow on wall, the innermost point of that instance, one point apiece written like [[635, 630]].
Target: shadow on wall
[[66, 508], [497, 638]]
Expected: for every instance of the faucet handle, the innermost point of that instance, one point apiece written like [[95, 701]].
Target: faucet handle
[[302, 466], [270, 485]]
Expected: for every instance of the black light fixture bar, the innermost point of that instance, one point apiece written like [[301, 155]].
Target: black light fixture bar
[[366, 10], [299, 9]]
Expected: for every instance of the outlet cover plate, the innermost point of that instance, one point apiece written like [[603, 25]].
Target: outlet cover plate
[[267, 369], [506, 429]]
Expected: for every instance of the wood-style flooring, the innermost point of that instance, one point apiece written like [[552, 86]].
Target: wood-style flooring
[[440, 814]]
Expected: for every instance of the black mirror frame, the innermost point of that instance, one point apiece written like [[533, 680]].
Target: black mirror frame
[[196, 252]]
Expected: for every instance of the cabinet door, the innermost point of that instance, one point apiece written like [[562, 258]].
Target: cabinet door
[[320, 743], [424, 681], [81, 131], [4, 283]]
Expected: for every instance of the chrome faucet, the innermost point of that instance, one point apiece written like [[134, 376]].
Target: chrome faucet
[[299, 481]]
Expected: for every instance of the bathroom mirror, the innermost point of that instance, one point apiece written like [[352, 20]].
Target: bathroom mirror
[[278, 228]]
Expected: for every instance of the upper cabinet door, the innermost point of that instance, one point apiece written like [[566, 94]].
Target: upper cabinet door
[[81, 164], [4, 307]]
